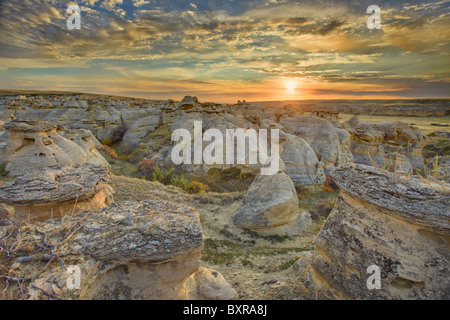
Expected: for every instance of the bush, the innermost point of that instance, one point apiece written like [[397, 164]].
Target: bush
[[3, 172], [195, 187], [323, 209], [302, 191], [107, 142], [330, 185], [229, 174], [108, 151], [147, 167]]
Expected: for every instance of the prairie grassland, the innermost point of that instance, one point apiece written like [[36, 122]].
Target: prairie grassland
[[423, 123]]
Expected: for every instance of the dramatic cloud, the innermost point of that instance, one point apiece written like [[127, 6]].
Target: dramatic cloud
[[227, 50]]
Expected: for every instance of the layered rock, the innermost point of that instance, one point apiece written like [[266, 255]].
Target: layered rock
[[382, 143], [33, 144], [58, 191], [131, 250], [381, 220]]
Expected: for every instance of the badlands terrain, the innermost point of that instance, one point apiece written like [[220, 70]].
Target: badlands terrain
[[87, 180]]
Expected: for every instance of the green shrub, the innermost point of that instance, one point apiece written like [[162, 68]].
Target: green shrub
[[3, 172], [107, 142]]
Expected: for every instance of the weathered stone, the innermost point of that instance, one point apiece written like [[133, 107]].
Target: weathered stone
[[398, 224], [187, 103], [34, 144], [58, 191], [301, 163], [331, 144], [381, 143], [86, 140], [271, 207], [129, 250]]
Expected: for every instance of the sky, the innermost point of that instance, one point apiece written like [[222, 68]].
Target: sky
[[225, 50]]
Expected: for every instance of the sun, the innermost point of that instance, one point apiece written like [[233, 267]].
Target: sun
[[290, 86]]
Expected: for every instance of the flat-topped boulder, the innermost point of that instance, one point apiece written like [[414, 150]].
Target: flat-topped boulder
[[129, 250], [58, 191], [395, 224]]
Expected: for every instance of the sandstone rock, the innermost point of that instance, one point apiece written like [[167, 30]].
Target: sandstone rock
[[382, 142], [58, 191], [271, 207], [331, 144], [398, 224], [142, 127], [301, 163], [130, 250], [86, 140], [34, 144], [211, 285], [187, 103]]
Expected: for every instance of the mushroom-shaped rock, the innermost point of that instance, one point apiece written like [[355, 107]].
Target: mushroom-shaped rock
[[58, 191], [397, 225], [127, 251], [33, 144]]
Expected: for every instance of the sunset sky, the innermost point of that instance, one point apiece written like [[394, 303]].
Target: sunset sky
[[225, 50]]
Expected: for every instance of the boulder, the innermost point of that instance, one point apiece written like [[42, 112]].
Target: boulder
[[301, 163], [187, 103], [147, 250], [271, 207], [395, 224], [58, 191]]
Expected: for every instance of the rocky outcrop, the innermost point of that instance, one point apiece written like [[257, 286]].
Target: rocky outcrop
[[33, 144], [331, 144], [58, 191], [86, 140], [382, 143], [381, 220], [130, 250]]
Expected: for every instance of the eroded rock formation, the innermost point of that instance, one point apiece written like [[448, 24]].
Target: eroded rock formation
[[383, 143], [130, 250], [33, 144], [58, 191], [271, 206], [400, 225]]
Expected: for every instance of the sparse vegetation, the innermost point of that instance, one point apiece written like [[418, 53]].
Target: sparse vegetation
[[3, 172]]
